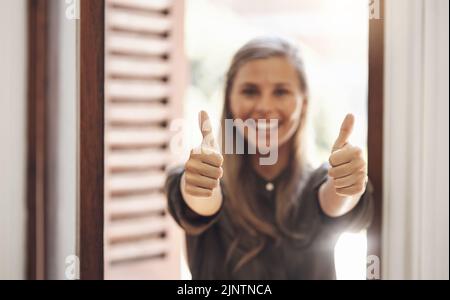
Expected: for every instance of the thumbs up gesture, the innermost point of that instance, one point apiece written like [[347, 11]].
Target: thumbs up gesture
[[348, 167], [203, 169]]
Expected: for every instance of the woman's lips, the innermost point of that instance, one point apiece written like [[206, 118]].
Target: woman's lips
[[270, 125]]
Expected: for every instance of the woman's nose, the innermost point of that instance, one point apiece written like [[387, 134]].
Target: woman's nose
[[265, 105]]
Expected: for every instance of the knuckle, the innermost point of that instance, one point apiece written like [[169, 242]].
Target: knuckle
[[361, 186], [340, 192], [213, 184], [190, 190], [358, 152], [358, 164], [362, 175], [216, 174], [189, 177], [332, 160], [220, 159], [209, 185], [189, 166], [363, 164], [217, 159]]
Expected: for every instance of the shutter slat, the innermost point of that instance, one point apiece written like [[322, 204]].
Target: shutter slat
[[136, 250], [135, 182], [138, 113], [137, 89], [130, 229], [137, 45], [138, 22], [137, 205], [157, 5], [120, 66], [136, 138], [137, 158]]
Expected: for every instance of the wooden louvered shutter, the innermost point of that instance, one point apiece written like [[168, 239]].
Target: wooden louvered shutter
[[144, 89]]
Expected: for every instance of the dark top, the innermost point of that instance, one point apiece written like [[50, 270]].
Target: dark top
[[208, 238]]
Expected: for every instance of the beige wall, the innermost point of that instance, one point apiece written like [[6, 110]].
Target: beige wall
[[12, 138]]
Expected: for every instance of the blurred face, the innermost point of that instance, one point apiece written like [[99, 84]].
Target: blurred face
[[264, 90]]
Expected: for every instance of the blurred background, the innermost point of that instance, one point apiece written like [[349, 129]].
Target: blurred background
[[164, 61]]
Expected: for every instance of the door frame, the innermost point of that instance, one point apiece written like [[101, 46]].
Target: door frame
[[36, 194], [375, 130], [91, 144]]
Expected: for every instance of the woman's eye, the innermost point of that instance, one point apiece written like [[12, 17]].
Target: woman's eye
[[250, 92], [281, 92]]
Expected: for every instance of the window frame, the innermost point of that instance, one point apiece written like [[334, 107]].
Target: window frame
[[91, 143]]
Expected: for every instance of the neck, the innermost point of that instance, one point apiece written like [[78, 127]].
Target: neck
[[269, 172]]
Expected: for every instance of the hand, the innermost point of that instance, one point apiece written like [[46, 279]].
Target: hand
[[348, 167], [203, 169]]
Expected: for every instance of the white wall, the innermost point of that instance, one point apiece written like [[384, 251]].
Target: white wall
[[416, 144], [12, 138]]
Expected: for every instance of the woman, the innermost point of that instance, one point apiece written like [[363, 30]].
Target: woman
[[248, 220]]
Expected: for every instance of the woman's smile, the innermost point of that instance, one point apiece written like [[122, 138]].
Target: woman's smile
[[267, 92]]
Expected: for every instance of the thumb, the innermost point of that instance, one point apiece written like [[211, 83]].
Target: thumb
[[345, 132], [206, 129]]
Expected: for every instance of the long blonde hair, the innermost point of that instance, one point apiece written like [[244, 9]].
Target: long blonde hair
[[241, 188]]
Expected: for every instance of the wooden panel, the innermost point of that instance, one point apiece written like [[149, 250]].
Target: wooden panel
[[37, 137], [92, 31]]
